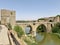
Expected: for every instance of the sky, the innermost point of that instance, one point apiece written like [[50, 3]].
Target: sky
[[32, 9]]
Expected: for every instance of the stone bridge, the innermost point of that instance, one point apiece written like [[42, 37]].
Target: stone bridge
[[9, 17], [34, 25]]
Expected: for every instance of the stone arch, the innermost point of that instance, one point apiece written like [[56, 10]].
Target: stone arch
[[50, 20], [28, 29], [41, 28]]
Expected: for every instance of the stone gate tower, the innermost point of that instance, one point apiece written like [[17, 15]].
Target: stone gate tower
[[7, 16]]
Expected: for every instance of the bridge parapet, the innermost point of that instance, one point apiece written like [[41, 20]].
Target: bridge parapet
[[4, 40]]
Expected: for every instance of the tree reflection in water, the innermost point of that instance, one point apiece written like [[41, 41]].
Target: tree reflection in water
[[47, 39]]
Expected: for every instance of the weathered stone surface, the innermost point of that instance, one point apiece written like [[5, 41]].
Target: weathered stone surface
[[4, 36], [7, 16]]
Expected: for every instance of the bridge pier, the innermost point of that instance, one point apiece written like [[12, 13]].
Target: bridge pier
[[34, 31], [49, 27]]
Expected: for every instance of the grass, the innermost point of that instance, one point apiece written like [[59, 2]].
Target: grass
[[29, 43], [29, 40], [57, 34]]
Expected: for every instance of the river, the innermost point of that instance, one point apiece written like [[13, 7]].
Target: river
[[47, 39]]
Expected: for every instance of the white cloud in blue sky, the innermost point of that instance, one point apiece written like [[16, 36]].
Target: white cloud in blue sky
[[32, 9]]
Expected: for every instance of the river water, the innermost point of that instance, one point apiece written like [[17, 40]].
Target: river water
[[47, 39]]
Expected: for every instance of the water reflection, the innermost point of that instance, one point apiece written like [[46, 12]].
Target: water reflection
[[27, 30], [47, 39], [39, 37]]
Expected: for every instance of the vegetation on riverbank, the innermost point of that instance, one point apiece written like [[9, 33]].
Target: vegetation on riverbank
[[56, 28], [19, 31], [29, 40]]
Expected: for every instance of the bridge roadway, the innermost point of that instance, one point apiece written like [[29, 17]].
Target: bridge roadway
[[6, 39]]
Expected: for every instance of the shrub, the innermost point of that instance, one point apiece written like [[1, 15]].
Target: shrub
[[56, 28], [19, 30]]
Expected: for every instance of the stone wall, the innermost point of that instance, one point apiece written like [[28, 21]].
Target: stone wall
[[8, 16]]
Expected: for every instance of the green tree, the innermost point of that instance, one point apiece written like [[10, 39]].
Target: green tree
[[19, 30], [56, 28]]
